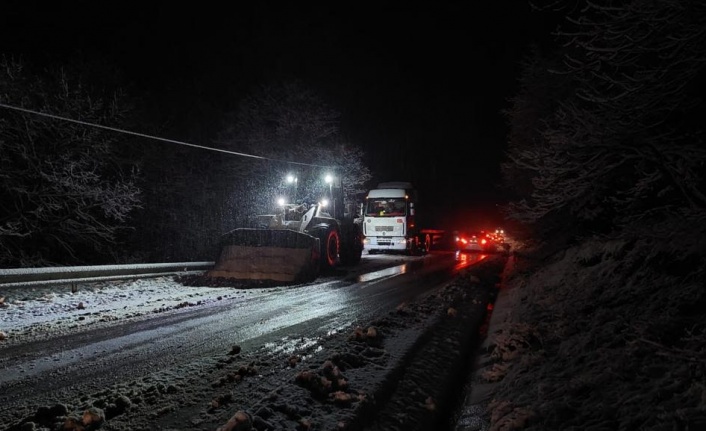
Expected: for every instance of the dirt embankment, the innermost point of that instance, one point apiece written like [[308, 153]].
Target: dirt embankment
[[601, 337]]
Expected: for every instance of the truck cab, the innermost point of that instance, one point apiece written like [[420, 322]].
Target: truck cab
[[389, 220]]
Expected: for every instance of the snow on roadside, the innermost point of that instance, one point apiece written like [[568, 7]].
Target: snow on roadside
[[25, 308]]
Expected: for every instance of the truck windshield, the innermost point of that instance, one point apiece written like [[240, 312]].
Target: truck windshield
[[386, 208]]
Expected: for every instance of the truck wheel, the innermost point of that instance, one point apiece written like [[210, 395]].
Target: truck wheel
[[418, 247], [412, 248], [330, 243], [351, 245]]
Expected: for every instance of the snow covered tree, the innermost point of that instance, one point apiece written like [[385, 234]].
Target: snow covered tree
[[624, 147], [64, 192], [291, 129]]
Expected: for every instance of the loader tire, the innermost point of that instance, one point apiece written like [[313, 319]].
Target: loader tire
[[351, 244], [330, 243]]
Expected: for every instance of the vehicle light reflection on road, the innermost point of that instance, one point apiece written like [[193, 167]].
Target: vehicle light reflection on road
[[383, 273], [466, 259]]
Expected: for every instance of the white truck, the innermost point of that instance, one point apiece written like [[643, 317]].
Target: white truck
[[390, 221]]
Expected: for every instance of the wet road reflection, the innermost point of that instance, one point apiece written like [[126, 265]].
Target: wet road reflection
[[383, 273], [277, 320], [464, 260]]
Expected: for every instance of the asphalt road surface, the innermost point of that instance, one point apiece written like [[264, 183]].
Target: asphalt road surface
[[266, 322]]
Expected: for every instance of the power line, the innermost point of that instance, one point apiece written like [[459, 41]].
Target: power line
[[143, 135]]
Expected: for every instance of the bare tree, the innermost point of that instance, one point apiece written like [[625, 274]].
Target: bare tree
[[64, 194], [293, 130], [625, 146], [538, 98]]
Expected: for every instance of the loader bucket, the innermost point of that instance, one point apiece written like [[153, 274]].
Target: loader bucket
[[281, 255]]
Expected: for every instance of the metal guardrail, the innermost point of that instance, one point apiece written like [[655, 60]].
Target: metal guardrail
[[24, 277]]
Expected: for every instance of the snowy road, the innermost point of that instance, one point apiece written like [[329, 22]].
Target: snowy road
[[60, 345]]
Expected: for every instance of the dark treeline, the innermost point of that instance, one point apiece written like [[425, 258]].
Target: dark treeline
[[72, 193], [605, 140], [606, 165], [607, 130]]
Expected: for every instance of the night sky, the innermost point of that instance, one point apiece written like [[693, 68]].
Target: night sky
[[419, 87]]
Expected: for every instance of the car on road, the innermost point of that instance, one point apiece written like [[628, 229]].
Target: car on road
[[501, 239], [475, 241], [499, 235]]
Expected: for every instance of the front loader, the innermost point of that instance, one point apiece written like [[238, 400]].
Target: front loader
[[294, 245]]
